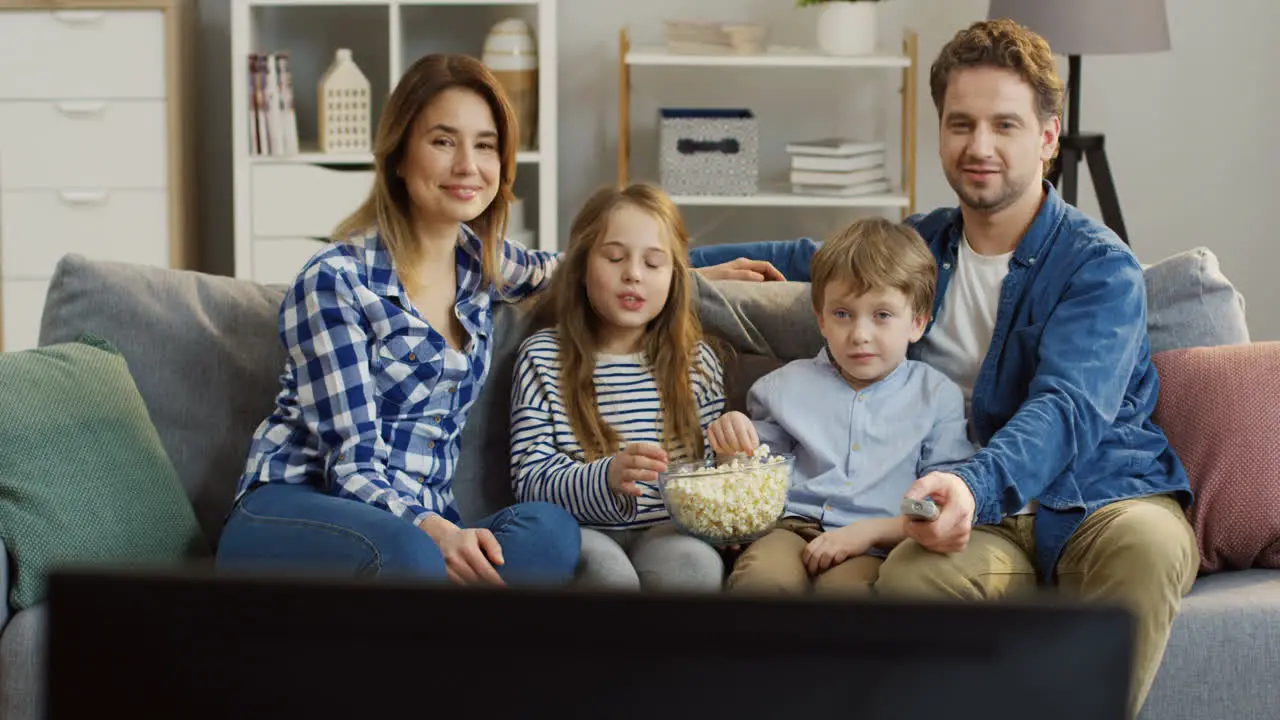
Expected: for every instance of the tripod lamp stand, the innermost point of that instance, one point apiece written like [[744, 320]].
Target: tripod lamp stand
[[1089, 27]]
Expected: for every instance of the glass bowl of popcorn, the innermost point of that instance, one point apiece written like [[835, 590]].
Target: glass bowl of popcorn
[[734, 503]]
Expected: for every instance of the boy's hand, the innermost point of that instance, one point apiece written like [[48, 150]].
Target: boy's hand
[[731, 433], [638, 462], [832, 548]]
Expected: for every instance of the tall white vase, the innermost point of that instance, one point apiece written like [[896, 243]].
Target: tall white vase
[[848, 28]]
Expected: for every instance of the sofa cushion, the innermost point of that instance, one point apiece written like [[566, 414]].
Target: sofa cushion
[[84, 478], [202, 349], [1220, 408], [1223, 651], [1190, 303]]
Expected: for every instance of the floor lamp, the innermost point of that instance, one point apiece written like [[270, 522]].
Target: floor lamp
[[1089, 27]]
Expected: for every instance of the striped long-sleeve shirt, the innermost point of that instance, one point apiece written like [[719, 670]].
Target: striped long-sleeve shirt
[[373, 399], [547, 462]]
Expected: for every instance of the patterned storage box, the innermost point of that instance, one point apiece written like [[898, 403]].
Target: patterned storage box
[[708, 152]]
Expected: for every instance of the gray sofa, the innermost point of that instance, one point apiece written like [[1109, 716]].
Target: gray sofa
[[206, 358]]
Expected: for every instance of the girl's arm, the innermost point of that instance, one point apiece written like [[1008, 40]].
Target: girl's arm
[[324, 331], [540, 469]]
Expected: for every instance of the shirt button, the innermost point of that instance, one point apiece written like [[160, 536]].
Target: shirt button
[[856, 447], [436, 419], [862, 398], [946, 266], [413, 358], [431, 444], [453, 388]]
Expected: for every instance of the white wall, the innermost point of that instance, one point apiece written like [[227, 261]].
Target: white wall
[[1188, 131]]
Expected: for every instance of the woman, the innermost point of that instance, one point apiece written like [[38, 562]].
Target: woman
[[388, 340]]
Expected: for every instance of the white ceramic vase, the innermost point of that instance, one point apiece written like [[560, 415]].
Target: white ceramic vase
[[848, 28]]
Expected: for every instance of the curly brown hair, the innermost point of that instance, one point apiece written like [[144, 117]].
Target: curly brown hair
[[1001, 43]]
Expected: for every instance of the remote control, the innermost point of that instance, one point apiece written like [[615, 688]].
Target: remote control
[[920, 509]]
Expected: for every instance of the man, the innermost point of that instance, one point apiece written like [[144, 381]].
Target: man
[[1041, 318]]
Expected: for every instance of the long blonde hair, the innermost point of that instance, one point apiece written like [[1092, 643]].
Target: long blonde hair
[[670, 340], [388, 206]]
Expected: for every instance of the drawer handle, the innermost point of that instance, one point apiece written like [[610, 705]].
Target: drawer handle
[[82, 108], [79, 17], [83, 197]]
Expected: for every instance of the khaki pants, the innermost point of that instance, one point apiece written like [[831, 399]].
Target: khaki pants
[[775, 564], [1141, 553]]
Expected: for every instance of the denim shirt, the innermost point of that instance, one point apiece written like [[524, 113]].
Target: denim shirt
[[1063, 399]]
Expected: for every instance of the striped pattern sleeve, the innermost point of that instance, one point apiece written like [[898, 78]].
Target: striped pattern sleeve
[[542, 470], [708, 391], [322, 324]]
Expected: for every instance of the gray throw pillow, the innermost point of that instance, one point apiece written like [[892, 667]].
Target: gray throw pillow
[[203, 352], [1190, 303]]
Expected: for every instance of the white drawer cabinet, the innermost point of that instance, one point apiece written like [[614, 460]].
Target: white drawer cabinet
[[94, 159]]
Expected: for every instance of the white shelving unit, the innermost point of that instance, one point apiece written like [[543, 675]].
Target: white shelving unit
[[287, 206], [798, 58]]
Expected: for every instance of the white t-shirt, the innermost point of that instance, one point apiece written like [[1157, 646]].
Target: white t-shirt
[[961, 334]]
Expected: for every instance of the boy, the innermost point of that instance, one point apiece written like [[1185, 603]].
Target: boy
[[862, 421]]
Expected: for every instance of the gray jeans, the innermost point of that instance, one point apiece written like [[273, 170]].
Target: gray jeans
[[652, 558]]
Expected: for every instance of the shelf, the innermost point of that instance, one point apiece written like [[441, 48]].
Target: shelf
[[786, 199], [524, 157], [385, 3], [774, 57]]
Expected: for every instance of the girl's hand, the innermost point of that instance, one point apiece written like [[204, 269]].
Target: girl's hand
[[469, 555], [639, 462], [732, 433]]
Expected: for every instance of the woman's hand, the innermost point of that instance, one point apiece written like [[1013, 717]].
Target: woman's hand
[[469, 554], [639, 462], [732, 433]]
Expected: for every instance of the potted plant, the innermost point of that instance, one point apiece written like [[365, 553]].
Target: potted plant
[[846, 27]]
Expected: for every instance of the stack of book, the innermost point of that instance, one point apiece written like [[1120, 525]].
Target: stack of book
[[838, 166]]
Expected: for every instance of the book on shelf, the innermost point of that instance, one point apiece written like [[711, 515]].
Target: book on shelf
[[870, 187], [273, 117], [836, 179], [837, 164], [835, 146]]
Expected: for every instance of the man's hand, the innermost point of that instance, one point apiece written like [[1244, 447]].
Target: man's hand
[[742, 269], [949, 532], [832, 548], [639, 462], [469, 555], [731, 433]]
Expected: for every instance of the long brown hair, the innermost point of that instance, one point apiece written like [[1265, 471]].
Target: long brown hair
[[388, 206], [670, 340]]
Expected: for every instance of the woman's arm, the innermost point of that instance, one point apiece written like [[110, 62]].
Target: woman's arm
[[325, 333], [524, 271]]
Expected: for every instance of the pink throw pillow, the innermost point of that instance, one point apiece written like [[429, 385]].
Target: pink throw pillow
[[1220, 407]]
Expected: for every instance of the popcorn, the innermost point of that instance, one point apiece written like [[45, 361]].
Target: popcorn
[[735, 502]]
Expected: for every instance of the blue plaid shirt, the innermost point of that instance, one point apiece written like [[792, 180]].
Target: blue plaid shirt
[[373, 398]]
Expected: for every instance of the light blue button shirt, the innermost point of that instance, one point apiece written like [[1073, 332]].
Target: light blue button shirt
[[857, 452]]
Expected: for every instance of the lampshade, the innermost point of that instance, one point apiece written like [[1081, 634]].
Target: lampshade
[[1091, 27]]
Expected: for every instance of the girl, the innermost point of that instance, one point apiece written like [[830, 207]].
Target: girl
[[619, 387], [388, 338]]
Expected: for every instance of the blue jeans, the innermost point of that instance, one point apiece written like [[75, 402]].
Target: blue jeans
[[299, 527], [791, 257]]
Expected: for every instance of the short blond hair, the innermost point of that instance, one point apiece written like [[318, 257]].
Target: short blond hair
[[873, 254]]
